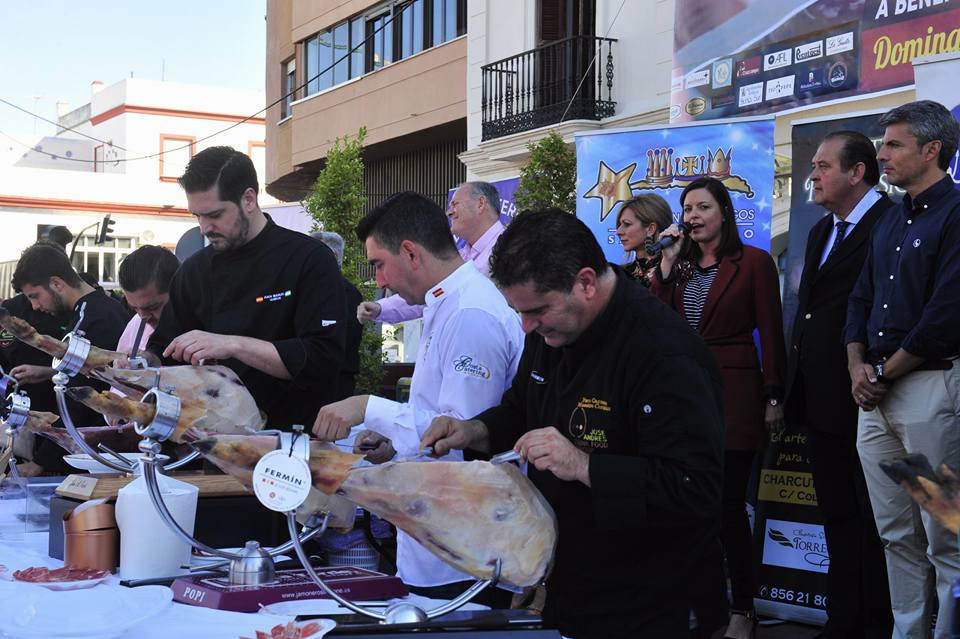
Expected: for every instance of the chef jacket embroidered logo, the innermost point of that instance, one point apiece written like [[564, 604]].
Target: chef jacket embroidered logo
[[274, 297], [916, 243], [6, 338], [579, 428], [465, 365]]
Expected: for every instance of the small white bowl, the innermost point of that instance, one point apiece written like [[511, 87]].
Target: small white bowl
[[91, 465]]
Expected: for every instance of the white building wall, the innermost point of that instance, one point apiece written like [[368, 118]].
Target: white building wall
[[132, 183], [20, 227], [643, 53]]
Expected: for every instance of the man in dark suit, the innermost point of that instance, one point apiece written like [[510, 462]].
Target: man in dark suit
[[818, 398]]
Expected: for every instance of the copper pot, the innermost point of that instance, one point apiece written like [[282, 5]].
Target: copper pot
[[91, 538]]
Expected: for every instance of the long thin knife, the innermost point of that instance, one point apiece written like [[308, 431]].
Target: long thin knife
[[136, 340]]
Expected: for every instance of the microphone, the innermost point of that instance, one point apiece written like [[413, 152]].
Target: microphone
[[668, 240]]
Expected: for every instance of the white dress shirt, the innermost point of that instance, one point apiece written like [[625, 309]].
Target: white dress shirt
[[469, 351]]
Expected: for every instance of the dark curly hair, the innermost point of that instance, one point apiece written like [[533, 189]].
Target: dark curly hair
[[547, 247]]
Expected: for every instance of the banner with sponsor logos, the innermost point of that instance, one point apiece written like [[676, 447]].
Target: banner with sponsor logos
[[614, 166], [746, 57]]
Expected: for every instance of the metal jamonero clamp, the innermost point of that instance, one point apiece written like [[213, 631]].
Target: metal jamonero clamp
[[78, 348], [296, 443], [166, 417], [17, 410], [138, 363]]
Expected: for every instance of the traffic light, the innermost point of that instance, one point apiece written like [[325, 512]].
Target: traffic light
[[106, 230]]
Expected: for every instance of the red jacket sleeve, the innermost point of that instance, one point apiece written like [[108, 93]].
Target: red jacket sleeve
[[769, 314]]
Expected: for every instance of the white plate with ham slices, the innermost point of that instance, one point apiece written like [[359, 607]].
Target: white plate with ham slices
[[65, 578]]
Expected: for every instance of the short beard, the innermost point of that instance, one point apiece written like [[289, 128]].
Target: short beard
[[241, 235], [59, 306]]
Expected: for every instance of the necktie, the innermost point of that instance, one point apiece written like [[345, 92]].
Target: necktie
[[841, 232]]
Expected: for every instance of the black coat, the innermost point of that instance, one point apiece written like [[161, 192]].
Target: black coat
[[640, 392], [818, 384], [281, 287]]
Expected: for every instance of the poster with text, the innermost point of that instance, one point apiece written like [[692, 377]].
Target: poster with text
[[789, 543], [746, 57], [613, 167]]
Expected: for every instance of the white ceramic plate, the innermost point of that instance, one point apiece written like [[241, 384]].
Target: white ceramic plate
[[104, 611], [68, 585], [89, 464]]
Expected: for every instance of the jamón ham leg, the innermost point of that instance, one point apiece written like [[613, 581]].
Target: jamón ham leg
[[237, 455], [27, 334], [217, 389], [119, 438], [467, 513], [112, 405]]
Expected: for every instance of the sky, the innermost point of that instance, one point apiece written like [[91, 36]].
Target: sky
[[51, 50]]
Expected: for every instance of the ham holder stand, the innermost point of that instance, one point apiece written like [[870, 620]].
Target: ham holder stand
[[253, 565]]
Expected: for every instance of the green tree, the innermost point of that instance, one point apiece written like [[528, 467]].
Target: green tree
[[336, 202], [549, 178]]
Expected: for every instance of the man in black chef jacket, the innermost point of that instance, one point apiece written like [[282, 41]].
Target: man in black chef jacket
[[264, 300], [46, 278], [616, 405]]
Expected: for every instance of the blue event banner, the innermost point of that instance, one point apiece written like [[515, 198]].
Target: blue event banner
[[614, 166]]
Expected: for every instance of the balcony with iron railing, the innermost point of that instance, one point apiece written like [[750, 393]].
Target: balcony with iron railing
[[564, 80]]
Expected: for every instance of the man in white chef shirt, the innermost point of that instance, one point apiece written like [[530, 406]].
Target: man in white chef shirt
[[468, 355], [474, 215]]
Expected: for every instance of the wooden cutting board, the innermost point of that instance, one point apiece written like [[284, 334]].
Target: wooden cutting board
[[95, 486]]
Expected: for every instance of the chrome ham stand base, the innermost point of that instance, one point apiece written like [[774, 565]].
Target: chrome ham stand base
[[253, 565], [13, 416], [395, 613]]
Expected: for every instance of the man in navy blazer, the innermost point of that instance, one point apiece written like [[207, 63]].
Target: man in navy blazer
[[845, 172]]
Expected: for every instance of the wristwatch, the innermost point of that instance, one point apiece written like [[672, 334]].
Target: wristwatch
[[773, 401], [878, 371]]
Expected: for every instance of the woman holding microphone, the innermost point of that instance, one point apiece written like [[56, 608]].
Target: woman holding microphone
[[639, 222], [725, 290]]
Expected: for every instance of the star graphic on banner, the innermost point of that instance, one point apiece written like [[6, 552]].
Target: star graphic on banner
[[611, 188]]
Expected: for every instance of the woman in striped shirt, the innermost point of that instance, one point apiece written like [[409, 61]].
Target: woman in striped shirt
[[726, 290]]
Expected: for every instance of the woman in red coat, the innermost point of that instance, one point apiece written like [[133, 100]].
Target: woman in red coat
[[725, 290]]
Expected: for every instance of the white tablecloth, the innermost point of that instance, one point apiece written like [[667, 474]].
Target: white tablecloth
[[21, 549]]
